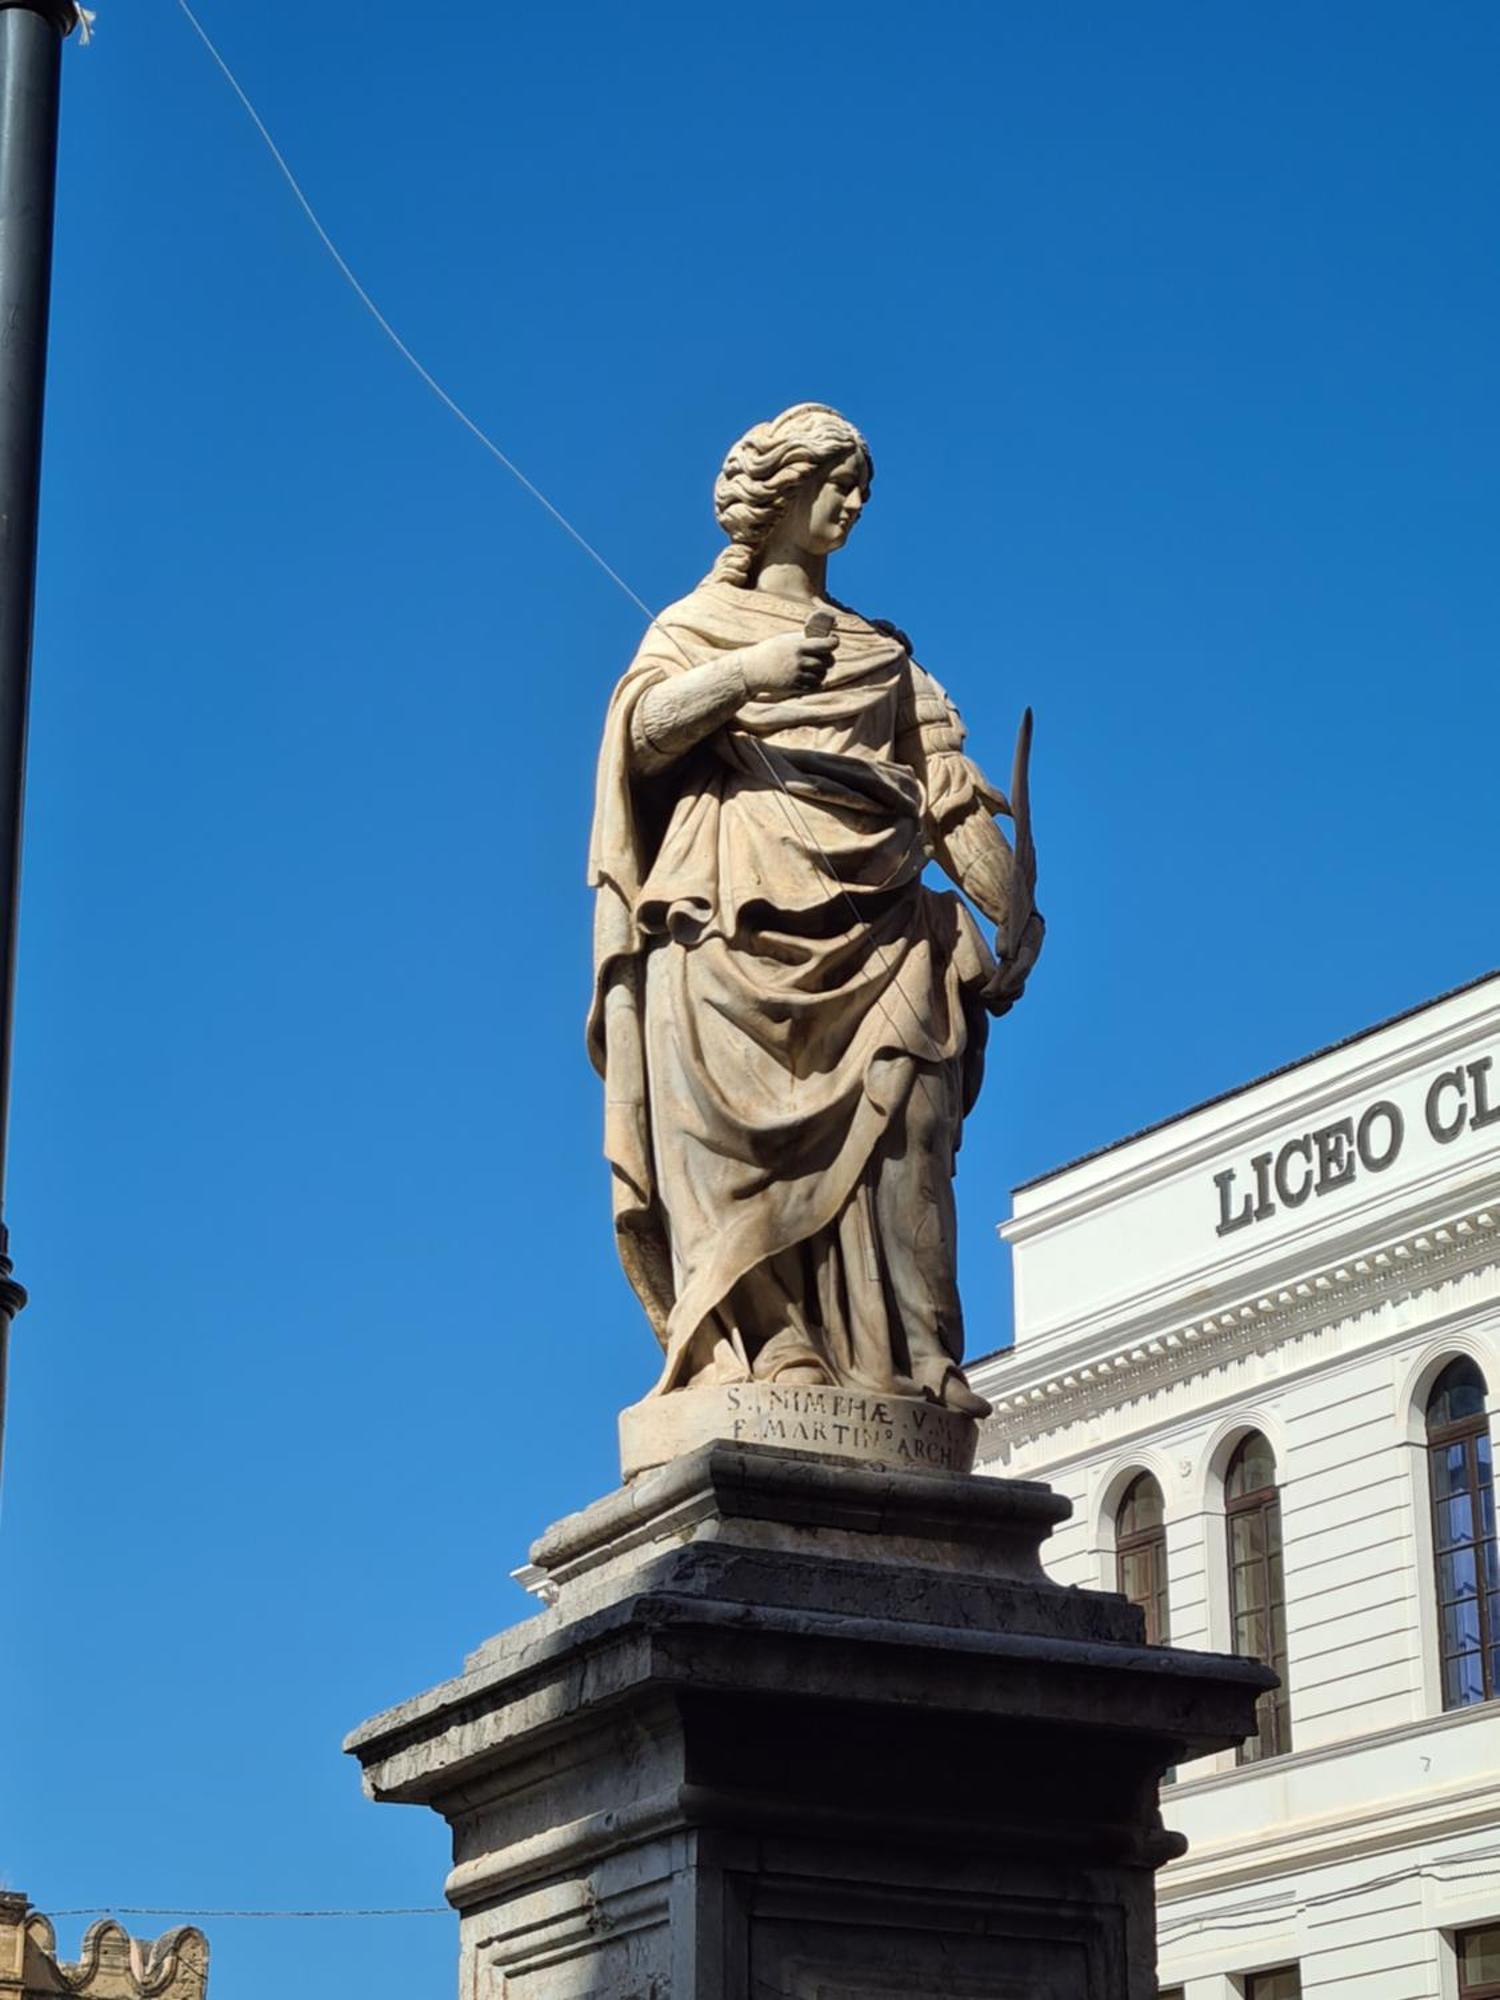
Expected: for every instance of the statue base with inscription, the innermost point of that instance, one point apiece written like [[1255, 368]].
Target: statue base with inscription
[[793, 1727], [900, 1432]]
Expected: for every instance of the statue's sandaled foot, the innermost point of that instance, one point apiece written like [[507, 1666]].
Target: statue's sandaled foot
[[954, 1393], [794, 1367], [801, 1375], [957, 1395]]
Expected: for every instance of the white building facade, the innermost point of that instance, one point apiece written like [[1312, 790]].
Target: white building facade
[[1259, 1349]]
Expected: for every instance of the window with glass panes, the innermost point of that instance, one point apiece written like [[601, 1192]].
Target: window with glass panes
[[1284, 1982], [1141, 1554], [1257, 1590], [1463, 1535], [1478, 1954]]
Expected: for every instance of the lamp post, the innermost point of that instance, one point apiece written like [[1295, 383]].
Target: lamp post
[[32, 33]]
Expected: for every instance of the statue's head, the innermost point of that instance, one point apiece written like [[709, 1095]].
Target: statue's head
[[806, 473]]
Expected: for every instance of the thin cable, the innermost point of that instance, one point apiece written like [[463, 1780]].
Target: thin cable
[[256, 1916], [779, 786], [385, 326], [1245, 1916]]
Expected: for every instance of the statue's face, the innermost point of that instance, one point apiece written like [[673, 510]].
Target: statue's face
[[823, 513]]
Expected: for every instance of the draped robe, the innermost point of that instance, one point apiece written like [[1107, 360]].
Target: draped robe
[[786, 1017]]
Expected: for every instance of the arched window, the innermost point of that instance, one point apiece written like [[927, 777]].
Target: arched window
[[1463, 1535], [1257, 1592], [1141, 1554]]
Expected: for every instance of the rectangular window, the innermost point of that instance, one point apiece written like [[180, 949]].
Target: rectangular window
[[1171, 1993], [1283, 1982], [1258, 1599], [1478, 1954]]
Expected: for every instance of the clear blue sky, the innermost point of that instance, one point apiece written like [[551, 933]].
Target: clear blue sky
[[1174, 329]]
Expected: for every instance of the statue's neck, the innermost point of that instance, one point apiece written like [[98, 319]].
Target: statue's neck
[[794, 573]]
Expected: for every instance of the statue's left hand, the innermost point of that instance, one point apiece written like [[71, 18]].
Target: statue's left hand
[[1008, 982]]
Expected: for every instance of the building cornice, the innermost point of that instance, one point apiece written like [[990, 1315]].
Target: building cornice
[[1103, 1371], [1427, 1203], [1271, 1854]]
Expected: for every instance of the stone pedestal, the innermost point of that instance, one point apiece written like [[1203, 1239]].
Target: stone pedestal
[[795, 1728]]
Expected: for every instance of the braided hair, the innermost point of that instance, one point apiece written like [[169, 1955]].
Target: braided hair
[[762, 472]]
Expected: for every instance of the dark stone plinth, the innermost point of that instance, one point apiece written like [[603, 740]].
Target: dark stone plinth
[[791, 1728]]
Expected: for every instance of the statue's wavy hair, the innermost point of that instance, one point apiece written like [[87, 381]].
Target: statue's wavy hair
[[764, 469]]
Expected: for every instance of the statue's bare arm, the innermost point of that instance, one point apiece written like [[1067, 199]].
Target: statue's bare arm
[[677, 714], [967, 844]]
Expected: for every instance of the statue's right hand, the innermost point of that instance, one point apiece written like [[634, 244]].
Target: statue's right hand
[[793, 663]]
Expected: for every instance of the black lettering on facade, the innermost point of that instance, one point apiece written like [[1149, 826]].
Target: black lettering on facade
[[1465, 1098], [1364, 1139], [1335, 1144], [1442, 1128], [1288, 1195], [1246, 1213], [1484, 1112]]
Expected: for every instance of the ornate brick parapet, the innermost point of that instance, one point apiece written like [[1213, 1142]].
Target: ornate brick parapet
[[111, 1966]]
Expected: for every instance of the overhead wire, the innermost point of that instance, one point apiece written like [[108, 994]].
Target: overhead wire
[[256, 1916], [1246, 1916], [779, 787], [413, 361]]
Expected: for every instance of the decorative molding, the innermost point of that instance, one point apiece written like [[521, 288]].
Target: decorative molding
[[1333, 1840], [1157, 1307], [1418, 1260]]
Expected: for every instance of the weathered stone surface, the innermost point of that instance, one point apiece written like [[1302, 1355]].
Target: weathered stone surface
[[789, 1020], [791, 1727], [111, 1966], [904, 1432]]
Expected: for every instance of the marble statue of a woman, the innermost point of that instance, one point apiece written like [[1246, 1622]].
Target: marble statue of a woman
[[789, 1022]]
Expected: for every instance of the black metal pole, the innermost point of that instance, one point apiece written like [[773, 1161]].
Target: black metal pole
[[31, 38]]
